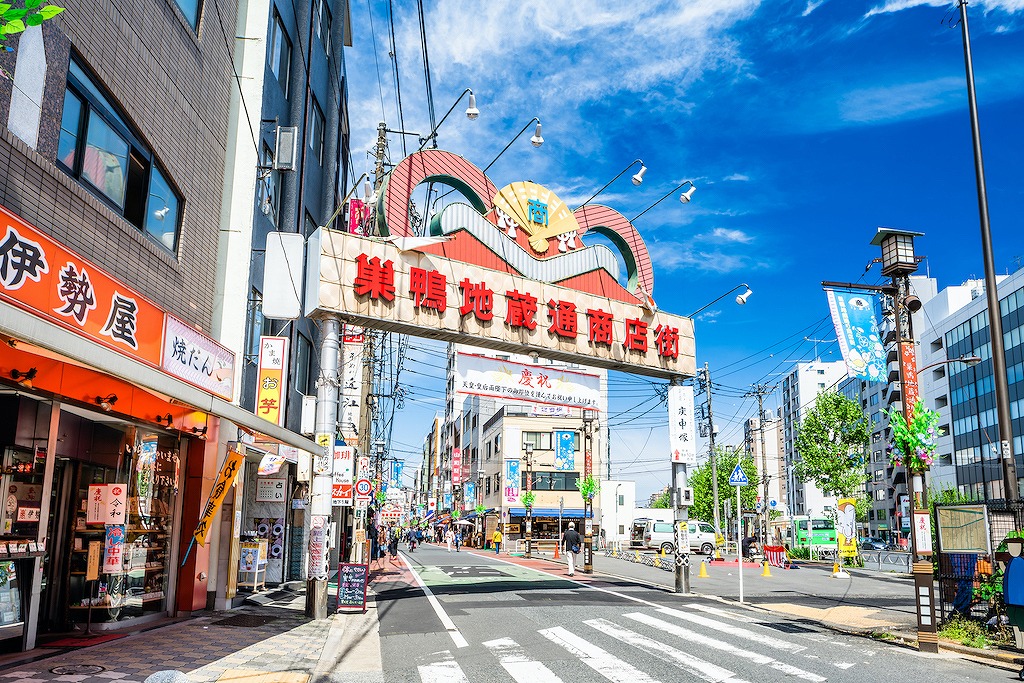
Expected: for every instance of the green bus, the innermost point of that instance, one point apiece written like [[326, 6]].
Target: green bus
[[815, 531]]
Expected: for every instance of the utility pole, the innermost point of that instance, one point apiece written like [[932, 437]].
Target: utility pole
[[678, 497], [708, 430], [760, 391]]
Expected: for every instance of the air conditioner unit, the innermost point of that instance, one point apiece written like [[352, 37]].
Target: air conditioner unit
[[307, 422], [286, 148]]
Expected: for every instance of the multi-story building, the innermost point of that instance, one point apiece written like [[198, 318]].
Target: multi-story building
[[117, 402], [799, 389], [971, 401]]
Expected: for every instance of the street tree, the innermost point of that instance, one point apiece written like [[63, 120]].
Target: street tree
[[662, 501], [832, 444], [703, 494]]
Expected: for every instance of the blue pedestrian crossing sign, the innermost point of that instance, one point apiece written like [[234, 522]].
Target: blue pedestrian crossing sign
[[738, 477]]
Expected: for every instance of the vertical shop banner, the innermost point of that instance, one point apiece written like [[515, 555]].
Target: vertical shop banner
[[96, 508], [456, 466], [351, 382], [343, 475], [681, 439], [270, 464], [107, 504], [395, 477], [846, 526], [923, 532], [908, 363], [318, 555], [853, 314], [358, 216], [228, 471], [447, 501], [565, 450], [431, 506], [271, 378], [113, 549], [469, 497], [512, 481]]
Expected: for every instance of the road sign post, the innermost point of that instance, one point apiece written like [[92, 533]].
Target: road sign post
[[739, 479]]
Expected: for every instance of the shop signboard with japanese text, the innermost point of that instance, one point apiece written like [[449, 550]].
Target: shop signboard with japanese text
[[482, 376], [272, 379], [39, 275], [681, 437], [113, 549], [375, 284], [342, 475], [456, 466], [197, 359]]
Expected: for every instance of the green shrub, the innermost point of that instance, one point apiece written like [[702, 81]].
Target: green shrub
[[965, 632]]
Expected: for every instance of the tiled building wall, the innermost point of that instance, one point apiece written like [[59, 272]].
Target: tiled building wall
[[173, 84]]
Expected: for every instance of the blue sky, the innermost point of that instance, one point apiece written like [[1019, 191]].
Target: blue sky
[[805, 125]]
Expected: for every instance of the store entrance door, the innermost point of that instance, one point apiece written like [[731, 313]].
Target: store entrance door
[[52, 615]]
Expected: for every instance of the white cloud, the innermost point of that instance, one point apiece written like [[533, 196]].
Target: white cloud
[[811, 6], [899, 5], [900, 100], [672, 256], [727, 235], [737, 177]]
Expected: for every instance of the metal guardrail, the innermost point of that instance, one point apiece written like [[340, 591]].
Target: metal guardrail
[[886, 560]]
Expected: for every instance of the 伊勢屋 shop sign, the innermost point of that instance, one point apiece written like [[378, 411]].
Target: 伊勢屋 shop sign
[[373, 283], [41, 276]]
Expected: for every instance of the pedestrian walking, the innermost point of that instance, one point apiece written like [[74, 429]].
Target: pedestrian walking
[[496, 539], [449, 538], [573, 543], [393, 547], [458, 540]]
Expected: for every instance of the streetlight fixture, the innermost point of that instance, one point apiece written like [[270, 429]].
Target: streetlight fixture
[[638, 178], [740, 298], [684, 198], [536, 141], [528, 447], [898, 262], [995, 320], [472, 113]]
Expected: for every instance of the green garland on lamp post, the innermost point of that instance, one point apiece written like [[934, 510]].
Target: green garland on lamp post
[[15, 20], [913, 443], [588, 487]]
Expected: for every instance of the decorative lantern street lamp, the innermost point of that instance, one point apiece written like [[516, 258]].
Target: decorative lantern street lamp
[[898, 262]]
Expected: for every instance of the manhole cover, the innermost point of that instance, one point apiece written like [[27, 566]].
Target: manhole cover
[[246, 620], [71, 669]]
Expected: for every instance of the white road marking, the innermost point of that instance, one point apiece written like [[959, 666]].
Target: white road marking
[[694, 665], [700, 639], [445, 671], [724, 613], [520, 667], [733, 630], [843, 665], [446, 621], [601, 661]]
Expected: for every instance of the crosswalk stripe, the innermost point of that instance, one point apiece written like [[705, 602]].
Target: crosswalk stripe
[[694, 665], [746, 634], [707, 609], [601, 661], [520, 667], [701, 639], [445, 671]]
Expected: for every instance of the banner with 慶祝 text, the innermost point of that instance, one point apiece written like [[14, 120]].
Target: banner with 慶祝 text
[[483, 376]]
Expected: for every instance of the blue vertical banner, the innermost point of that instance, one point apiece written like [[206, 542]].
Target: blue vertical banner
[[512, 481], [469, 496], [395, 480], [447, 501], [853, 314], [565, 449]]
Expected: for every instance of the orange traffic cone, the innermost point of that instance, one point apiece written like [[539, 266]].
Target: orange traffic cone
[[557, 556], [766, 572], [703, 570]]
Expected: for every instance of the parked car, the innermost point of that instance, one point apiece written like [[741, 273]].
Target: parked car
[[875, 543], [659, 535]]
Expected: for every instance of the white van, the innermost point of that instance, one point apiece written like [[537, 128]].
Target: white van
[[658, 535]]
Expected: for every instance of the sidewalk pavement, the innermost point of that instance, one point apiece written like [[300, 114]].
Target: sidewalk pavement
[[273, 642]]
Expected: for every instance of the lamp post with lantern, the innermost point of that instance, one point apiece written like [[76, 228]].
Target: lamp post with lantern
[[588, 500], [898, 262]]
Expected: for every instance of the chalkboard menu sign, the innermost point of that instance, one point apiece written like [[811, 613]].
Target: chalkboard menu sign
[[352, 579]]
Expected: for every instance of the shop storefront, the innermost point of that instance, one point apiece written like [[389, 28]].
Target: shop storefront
[[114, 417], [546, 523]]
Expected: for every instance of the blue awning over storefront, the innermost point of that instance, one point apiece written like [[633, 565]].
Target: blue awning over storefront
[[567, 513]]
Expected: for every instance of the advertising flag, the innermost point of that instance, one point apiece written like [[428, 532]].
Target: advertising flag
[[565, 449], [469, 497], [682, 443], [853, 314], [512, 481]]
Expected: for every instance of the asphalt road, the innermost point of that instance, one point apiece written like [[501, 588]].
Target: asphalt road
[[488, 619]]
